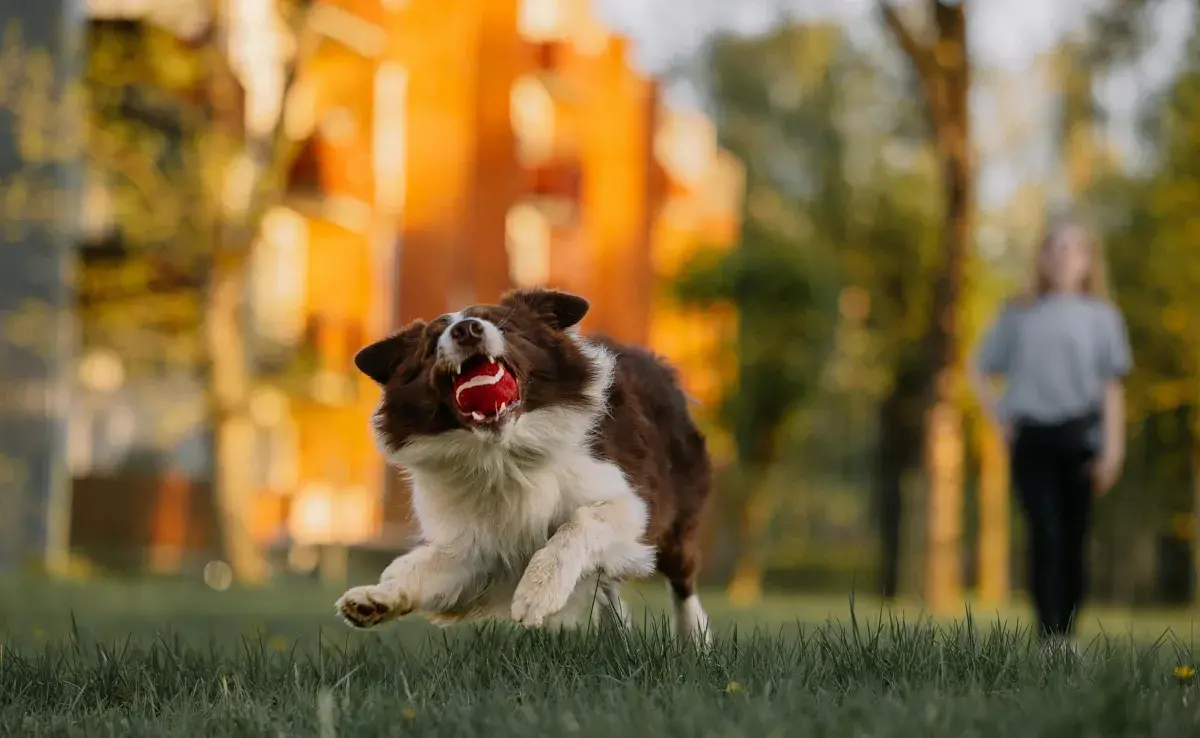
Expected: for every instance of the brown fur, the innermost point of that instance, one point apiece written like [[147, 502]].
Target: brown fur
[[647, 431], [651, 436]]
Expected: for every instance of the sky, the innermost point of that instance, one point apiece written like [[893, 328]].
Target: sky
[[1006, 36]]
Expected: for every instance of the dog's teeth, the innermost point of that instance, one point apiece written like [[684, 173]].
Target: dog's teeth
[[503, 407], [458, 368], [491, 359], [478, 417]]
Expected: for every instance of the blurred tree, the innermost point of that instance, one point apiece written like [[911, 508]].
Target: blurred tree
[[943, 68], [186, 136], [253, 60], [775, 98], [39, 166], [1117, 32], [146, 247], [1154, 213], [1077, 117], [895, 263], [887, 247], [783, 334], [988, 289], [840, 209]]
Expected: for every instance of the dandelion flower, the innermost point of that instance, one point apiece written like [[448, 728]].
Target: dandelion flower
[[1184, 672]]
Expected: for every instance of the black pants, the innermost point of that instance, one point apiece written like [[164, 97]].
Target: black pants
[[1051, 471]]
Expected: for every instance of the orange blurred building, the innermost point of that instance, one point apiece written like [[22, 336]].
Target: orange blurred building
[[456, 148]]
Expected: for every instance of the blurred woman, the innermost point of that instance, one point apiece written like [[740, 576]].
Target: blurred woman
[[1062, 349]]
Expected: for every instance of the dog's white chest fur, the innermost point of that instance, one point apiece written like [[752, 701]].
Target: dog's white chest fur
[[522, 523], [499, 507], [492, 501]]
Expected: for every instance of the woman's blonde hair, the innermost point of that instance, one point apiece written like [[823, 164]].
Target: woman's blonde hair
[[1095, 282]]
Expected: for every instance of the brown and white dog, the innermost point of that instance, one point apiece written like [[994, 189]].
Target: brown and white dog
[[546, 468]]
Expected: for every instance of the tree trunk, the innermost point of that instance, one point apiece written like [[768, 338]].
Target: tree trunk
[[1076, 79], [943, 70], [233, 429], [995, 517], [253, 177], [943, 463], [899, 458], [758, 506], [1196, 503], [889, 498]]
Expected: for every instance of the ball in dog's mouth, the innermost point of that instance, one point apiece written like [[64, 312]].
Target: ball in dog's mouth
[[485, 389]]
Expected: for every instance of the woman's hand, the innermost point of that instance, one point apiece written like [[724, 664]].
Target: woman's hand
[[1106, 470]]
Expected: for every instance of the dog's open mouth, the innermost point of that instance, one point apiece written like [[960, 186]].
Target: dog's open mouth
[[485, 390]]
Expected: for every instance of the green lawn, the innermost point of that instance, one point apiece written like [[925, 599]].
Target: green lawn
[[176, 659]]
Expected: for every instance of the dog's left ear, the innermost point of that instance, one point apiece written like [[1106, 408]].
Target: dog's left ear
[[379, 360], [561, 310]]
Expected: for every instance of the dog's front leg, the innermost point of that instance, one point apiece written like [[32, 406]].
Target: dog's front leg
[[605, 536], [427, 578]]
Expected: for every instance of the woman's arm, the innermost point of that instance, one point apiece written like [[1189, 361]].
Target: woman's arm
[[992, 359], [1107, 468], [985, 392], [1114, 421], [1116, 361]]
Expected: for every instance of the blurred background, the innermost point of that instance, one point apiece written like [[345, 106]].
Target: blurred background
[[812, 207]]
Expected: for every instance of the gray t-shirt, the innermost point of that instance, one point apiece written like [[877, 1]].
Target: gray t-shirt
[[1057, 354]]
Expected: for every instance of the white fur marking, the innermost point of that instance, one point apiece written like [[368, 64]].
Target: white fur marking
[[452, 356], [691, 621], [488, 502]]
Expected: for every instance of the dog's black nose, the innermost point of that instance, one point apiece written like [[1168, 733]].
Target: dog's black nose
[[467, 332]]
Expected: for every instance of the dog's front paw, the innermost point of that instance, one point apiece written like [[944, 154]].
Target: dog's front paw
[[372, 604], [544, 589]]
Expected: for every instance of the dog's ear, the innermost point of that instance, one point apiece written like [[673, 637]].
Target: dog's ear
[[560, 310], [379, 360]]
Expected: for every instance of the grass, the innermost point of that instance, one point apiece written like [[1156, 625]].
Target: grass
[[170, 659]]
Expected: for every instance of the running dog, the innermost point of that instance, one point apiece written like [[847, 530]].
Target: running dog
[[546, 468]]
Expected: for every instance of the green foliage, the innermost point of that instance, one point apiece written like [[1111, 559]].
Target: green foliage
[[775, 105], [895, 260], [1120, 31], [1152, 231], [141, 286], [839, 194], [785, 323]]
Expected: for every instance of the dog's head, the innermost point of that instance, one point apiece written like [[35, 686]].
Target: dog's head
[[480, 369]]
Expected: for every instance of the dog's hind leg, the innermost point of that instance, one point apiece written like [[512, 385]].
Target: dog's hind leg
[[691, 621], [678, 562], [610, 605]]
